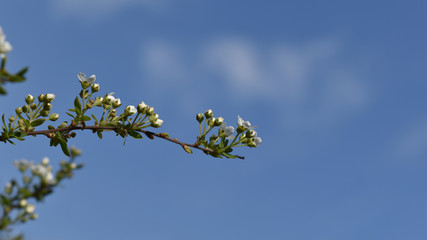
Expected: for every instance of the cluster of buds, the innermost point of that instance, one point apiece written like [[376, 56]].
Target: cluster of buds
[[38, 181], [130, 120], [222, 143], [43, 170], [34, 114]]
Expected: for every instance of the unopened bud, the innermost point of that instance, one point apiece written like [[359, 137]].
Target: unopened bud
[[50, 97], [29, 99], [44, 113], [208, 114], [218, 121], [63, 125], [8, 188], [150, 111], [200, 117], [23, 203], [45, 161], [95, 87], [47, 106], [117, 103], [250, 134], [53, 116], [30, 208], [211, 122], [33, 106], [11, 119], [142, 107], [26, 108], [240, 129], [18, 110], [130, 110], [75, 151], [41, 97]]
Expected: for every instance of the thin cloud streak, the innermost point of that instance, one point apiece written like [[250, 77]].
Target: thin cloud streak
[[308, 84]]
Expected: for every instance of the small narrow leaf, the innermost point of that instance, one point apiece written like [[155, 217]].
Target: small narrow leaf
[[77, 106], [96, 120], [229, 155], [37, 122], [99, 134], [23, 71], [85, 118], [4, 122], [17, 78], [64, 147], [135, 135], [71, 115]]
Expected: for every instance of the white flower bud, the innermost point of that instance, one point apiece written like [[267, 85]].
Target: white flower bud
[[45, 161], [29, 99], [218, 121], [109, 98], [30, 208], [200, 117], [50, 97], [208, 114], [142, 107], [150, 111], [130, 110], [157, 123], [117, 103], [23, 203], [95, 87]]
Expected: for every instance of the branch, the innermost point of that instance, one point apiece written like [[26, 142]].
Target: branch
[[95, 128]]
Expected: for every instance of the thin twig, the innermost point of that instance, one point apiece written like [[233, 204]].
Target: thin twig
[[95, 128]]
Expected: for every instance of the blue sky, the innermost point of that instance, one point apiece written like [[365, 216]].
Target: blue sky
[[336, 88]]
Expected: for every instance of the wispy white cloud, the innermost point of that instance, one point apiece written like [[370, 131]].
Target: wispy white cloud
[[308, 83], [96, 9]]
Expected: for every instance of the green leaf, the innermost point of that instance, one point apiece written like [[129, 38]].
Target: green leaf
[[96, 120], [85, 118], [23, 71], [69, 114], [99, 134], [37, 122], [17, 78], [77, 106], [2, 91], [4, 200], [135, 134], [229, 155], [64, 147], [4, 122]]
